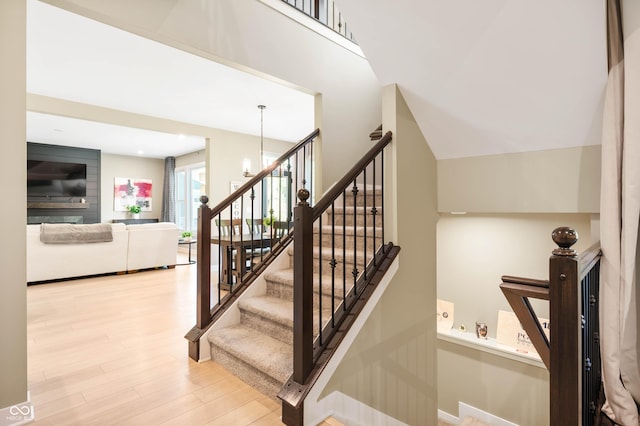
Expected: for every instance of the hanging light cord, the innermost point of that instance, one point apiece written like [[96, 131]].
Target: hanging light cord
[[262, 107]]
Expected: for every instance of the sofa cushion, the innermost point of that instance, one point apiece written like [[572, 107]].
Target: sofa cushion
[[152, 245]]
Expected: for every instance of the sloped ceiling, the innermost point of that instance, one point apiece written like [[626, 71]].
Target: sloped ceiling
[[492, 76]]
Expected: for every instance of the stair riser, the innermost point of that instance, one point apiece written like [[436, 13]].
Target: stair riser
[[341, 263], [278, 331], [348, 241], [338, 271], [285, 292], [359, 220], [360, 200], [282, 332], [250, 375]]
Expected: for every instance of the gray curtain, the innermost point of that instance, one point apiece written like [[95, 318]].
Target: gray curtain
[[619, 215], [169, 191]]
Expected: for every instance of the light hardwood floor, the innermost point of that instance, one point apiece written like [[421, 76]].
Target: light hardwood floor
[[110, 351]]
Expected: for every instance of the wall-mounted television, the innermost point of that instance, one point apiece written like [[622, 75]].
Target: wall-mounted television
[[56, 179]]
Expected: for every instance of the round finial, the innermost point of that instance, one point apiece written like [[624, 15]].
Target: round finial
[[204, 199], [564, 237], [303, 196]]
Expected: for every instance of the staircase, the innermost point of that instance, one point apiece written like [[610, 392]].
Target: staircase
[[259, 348]]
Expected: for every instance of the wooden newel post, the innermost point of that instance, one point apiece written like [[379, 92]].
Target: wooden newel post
[[566, 328], [203, 312], [303, 289]]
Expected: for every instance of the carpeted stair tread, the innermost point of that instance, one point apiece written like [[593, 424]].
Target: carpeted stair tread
[[278, 310], [326, 254], [273, 308], [260, 351], [361, 210], [349, 230], [285, 277]]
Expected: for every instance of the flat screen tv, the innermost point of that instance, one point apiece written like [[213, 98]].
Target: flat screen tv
[[56, 179]]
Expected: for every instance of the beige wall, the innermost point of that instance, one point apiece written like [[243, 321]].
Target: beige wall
[[475, 251], [227, 150], [560, 181], [113, 166], [191, 158], [391, 366], [509, 389], [254, 37], [13, 314]]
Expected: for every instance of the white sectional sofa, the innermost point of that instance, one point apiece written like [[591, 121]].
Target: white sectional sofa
[[134, 247], [151, 245]]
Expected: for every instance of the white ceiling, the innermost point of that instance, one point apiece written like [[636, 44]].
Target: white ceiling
[[75, 58], [481, 77], [490, 76]]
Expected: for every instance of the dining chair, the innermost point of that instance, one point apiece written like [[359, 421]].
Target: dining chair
[[255, 225], [227, 228], [280, 228], [255, 254]]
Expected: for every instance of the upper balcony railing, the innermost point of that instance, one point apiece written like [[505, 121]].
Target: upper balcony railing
[[326, 12]]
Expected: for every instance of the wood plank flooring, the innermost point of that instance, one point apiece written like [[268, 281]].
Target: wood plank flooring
[[110, 351]]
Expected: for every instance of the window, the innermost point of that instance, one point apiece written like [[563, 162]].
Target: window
[[276, 198], [190, 185]]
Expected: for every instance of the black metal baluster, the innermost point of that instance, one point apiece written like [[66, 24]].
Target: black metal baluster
[[354, 271], [344, 250], [373, 214], [333, 265], [320, 260], [364, 234], [382, 192]]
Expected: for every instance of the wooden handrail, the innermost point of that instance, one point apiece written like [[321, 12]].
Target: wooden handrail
[[262, 174], [338, 189], [589, 258], [517, 291], [525, 281]]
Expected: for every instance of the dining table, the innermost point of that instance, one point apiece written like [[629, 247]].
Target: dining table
[[234, 252]]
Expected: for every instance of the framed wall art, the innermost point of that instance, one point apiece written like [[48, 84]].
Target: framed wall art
[[132, 191]]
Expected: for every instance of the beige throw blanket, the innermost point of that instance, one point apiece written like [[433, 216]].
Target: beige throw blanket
[[67, 233]]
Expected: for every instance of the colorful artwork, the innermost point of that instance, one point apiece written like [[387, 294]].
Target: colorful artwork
[[130, 191]]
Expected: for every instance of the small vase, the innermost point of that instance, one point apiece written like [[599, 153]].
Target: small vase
[[135, 215]]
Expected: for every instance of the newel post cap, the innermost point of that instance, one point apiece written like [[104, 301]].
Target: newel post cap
[[564, 237], [204, 199], [303, 196]]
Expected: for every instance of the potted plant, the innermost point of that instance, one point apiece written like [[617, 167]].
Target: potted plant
[[134, 210], [186, 236], [268, 220]]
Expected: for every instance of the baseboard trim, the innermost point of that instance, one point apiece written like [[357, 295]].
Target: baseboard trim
[[449, 418], [18, 414], [352, 412], [466, 410]]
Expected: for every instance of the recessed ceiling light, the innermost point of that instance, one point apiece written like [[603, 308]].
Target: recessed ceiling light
[[140, 152], [58, 130]]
